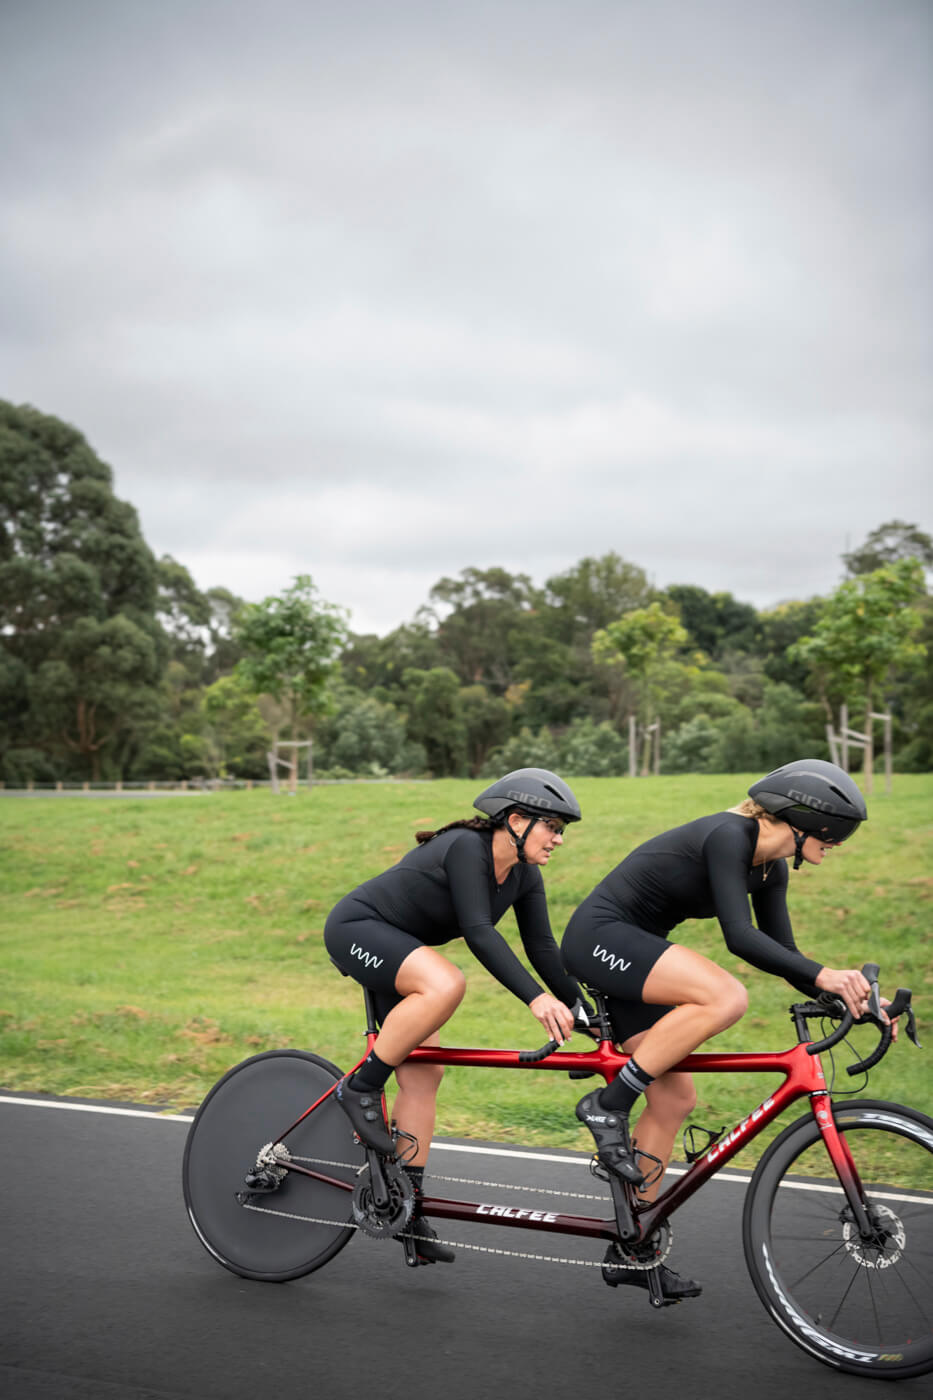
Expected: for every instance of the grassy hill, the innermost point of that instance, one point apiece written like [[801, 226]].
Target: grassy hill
[[148, 944]]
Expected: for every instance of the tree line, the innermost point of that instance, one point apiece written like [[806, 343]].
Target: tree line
[[115, 665]]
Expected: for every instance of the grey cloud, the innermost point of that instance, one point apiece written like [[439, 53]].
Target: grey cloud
[[413, 288]]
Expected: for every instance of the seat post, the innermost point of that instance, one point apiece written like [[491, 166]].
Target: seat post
[[603, 1023], [372, 1027]]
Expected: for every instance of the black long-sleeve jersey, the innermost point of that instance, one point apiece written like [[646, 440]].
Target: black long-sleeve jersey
[[703, 870], [447, 889]]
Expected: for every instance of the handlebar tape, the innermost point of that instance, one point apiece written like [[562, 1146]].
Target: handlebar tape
[[530, 1057], [880, 1050], [834, 1037]]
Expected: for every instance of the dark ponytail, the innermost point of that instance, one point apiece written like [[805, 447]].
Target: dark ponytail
[[467, 824]]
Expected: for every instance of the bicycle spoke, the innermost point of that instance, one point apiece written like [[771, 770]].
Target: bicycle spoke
[[862, 1302]]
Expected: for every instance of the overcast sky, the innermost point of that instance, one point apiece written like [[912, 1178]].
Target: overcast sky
[[380, 291]]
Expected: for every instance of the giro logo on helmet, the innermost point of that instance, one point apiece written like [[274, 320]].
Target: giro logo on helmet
[[528, 799], [807, 800]]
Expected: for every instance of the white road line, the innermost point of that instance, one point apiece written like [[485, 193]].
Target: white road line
[[100, 1108], [435, 1146], [740, 1178]]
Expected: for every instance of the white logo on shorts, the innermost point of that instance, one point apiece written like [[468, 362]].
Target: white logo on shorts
[[616, 964], [369, 959]]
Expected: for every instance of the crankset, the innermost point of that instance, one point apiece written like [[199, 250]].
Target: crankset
[[648, 1255], [383, 1198]]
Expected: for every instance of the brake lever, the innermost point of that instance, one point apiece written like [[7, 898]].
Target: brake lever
[[901, 1006], [912, 1027], [871, 972]]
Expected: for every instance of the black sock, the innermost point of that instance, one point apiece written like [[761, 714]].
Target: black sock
[[373, 1073], [621, 1094]]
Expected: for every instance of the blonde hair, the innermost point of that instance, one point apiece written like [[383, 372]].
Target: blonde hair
[[748, 807]]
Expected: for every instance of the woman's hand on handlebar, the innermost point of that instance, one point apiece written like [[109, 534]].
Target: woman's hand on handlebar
[[848, 983], [555, 1017]]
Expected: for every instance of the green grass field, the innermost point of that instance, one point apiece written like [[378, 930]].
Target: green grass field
[[148, 944]]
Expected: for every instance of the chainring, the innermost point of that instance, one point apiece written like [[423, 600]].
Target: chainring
[[383, 1224], [646, 1254]]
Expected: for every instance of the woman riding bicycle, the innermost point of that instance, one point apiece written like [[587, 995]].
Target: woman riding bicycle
[[456, 883], [665, 1000]]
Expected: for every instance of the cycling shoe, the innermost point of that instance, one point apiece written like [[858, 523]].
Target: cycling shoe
[[673, 1287], [613, 1144], [363, 1107]]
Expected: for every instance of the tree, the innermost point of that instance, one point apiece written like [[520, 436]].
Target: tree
[[236, 737], [184, 614], [77, 599], [290, 648], [886, 545], [717, 622], [100, 689], [594, 593], [487, 721], [364, 735], [867, 629], [779, 629], [223, 650], [476, 638], [435, 719], [592, 750], [640, 642], [377, 664]]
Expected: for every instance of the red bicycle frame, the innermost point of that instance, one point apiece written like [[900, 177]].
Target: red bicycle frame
[[802, 1078]]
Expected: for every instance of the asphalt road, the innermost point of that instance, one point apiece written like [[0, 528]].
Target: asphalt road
[[106, 1293]]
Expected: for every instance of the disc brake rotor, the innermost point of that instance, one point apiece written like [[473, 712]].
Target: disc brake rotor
[[886, 1245]]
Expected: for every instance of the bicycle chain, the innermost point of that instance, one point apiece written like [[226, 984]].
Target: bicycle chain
[[469, 1181], [461, 1244], [452, 1244]]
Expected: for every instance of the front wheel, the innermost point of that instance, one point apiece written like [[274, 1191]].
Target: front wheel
[[293, 1223], [860, 1305]]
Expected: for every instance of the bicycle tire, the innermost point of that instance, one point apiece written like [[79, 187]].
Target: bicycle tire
[[867, 1312], [275, 1236]]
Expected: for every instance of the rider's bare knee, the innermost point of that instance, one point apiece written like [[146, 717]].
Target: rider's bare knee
[[732, 1004], [446, 988]]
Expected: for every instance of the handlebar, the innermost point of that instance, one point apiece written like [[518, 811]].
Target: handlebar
[[590, 1024], [830, 1005], [827, 1004], [529, 1057]]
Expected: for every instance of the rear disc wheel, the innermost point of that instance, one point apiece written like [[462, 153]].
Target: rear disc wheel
[[297, 1223]]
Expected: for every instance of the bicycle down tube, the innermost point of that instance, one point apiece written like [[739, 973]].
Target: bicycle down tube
[[803, 1077]]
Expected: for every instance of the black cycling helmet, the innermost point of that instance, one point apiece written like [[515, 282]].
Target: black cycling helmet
[[817, 798], [536, 792]]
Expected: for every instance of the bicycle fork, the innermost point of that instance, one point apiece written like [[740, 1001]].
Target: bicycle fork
[[837, 1148]]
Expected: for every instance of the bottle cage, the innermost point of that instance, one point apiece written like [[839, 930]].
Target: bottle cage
[[694, 1146]]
